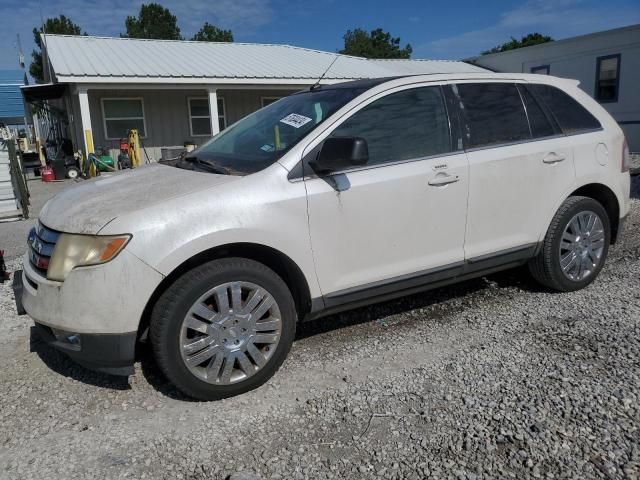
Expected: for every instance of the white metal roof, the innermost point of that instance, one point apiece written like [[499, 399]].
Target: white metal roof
[[95, 59]]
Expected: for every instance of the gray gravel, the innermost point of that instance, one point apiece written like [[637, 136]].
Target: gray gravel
[[493, 378]]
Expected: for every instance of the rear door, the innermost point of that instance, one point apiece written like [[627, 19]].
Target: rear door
[[401, 215], [520, 164]]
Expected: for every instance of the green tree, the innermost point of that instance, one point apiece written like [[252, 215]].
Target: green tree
[[153, 21], [526, 41], [377, 44], [211, 33], [60, 25]]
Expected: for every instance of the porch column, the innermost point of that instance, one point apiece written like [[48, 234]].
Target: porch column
[[213, 111], [85, 118]]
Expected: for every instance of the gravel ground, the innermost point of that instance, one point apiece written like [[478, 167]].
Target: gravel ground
[[492, 378]]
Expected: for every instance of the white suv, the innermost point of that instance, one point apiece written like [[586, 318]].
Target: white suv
[[328, 199]]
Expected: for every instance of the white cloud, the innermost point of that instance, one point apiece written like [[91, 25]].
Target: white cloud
[[557, 18]]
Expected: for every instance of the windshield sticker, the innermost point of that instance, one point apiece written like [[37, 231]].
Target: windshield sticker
[[267, 148], [295, 120]]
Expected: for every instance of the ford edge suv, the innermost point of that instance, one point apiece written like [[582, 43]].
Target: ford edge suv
[[331, 198]]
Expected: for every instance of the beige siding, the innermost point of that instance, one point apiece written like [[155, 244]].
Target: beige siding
[[167, 115]]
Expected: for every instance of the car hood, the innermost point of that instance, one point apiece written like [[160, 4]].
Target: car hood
[[90, 205]]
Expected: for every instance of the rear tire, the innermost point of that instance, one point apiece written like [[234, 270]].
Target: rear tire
[[223, 328], [575, 247]]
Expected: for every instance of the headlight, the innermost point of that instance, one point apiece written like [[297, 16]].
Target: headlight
[[73, 251]]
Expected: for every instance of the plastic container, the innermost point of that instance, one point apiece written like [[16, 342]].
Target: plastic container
[[47, 174]]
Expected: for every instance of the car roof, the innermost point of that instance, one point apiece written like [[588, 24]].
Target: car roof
[[367, 84]]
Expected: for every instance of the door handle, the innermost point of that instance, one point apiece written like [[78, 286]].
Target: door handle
[[444, 180], [552, 158]]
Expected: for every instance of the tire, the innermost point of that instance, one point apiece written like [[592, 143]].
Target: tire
[[174, 333], [546, 266], [73, 173]]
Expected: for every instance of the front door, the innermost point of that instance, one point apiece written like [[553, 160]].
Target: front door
[[403, 214]]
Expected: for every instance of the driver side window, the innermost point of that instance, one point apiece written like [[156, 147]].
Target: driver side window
[[406, 125]]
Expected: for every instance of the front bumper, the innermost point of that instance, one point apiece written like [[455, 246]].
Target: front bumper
[[113, 354], [105, 299], [93, 316]]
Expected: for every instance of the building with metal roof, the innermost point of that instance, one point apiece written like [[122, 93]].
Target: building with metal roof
[[11, 103], [183, 91], [606, 63]]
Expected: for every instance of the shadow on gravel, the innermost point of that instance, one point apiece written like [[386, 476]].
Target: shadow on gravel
[[63, 365], [518, 278], [635, 186], [154, 376]]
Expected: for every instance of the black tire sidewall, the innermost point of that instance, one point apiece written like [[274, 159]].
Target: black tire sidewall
[[583, 205], [179, 298]]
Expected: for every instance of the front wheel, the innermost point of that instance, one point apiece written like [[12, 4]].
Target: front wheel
[[575, 246], [223, 328]]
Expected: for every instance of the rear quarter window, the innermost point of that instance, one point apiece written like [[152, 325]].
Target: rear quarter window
[[570, 115]]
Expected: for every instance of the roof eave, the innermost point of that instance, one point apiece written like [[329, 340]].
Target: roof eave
[[213, 81]]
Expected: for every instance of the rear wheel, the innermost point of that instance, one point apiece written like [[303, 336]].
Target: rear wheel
[[575, 247], [223, 328]]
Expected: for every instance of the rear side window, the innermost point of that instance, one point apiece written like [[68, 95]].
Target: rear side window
[[541, 126], [570, 115], [401, 126], [494, 113]]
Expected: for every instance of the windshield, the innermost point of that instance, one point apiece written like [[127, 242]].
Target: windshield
[[260, 139]]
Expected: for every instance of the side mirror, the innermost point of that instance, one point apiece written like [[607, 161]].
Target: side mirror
[[340, 152]]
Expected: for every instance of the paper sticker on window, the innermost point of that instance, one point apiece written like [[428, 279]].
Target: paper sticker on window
[[295, 120], [267, 148]]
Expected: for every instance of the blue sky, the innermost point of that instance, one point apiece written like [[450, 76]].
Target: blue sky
[[439, 29]]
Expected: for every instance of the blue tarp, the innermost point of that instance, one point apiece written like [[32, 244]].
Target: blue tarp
[[11, 104]]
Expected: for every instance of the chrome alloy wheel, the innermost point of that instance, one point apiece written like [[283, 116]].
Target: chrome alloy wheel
[[230, 333], [582, 245]]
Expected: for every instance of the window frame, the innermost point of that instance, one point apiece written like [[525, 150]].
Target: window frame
[[224, 113], [536, 69], [104, 117], [262, 99], [191, 117], [599, 61]]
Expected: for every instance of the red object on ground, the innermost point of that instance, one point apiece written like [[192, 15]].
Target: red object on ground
[[47, 174]]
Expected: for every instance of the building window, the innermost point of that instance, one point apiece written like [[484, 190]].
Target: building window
[[607, 78], [121, 115], [268, 100], [541, 70], [200, 116]]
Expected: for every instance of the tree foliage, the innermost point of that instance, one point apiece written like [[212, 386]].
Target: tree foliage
[[153, 21], [59, 25], [211, 33], [376, 44], [526, 41]]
